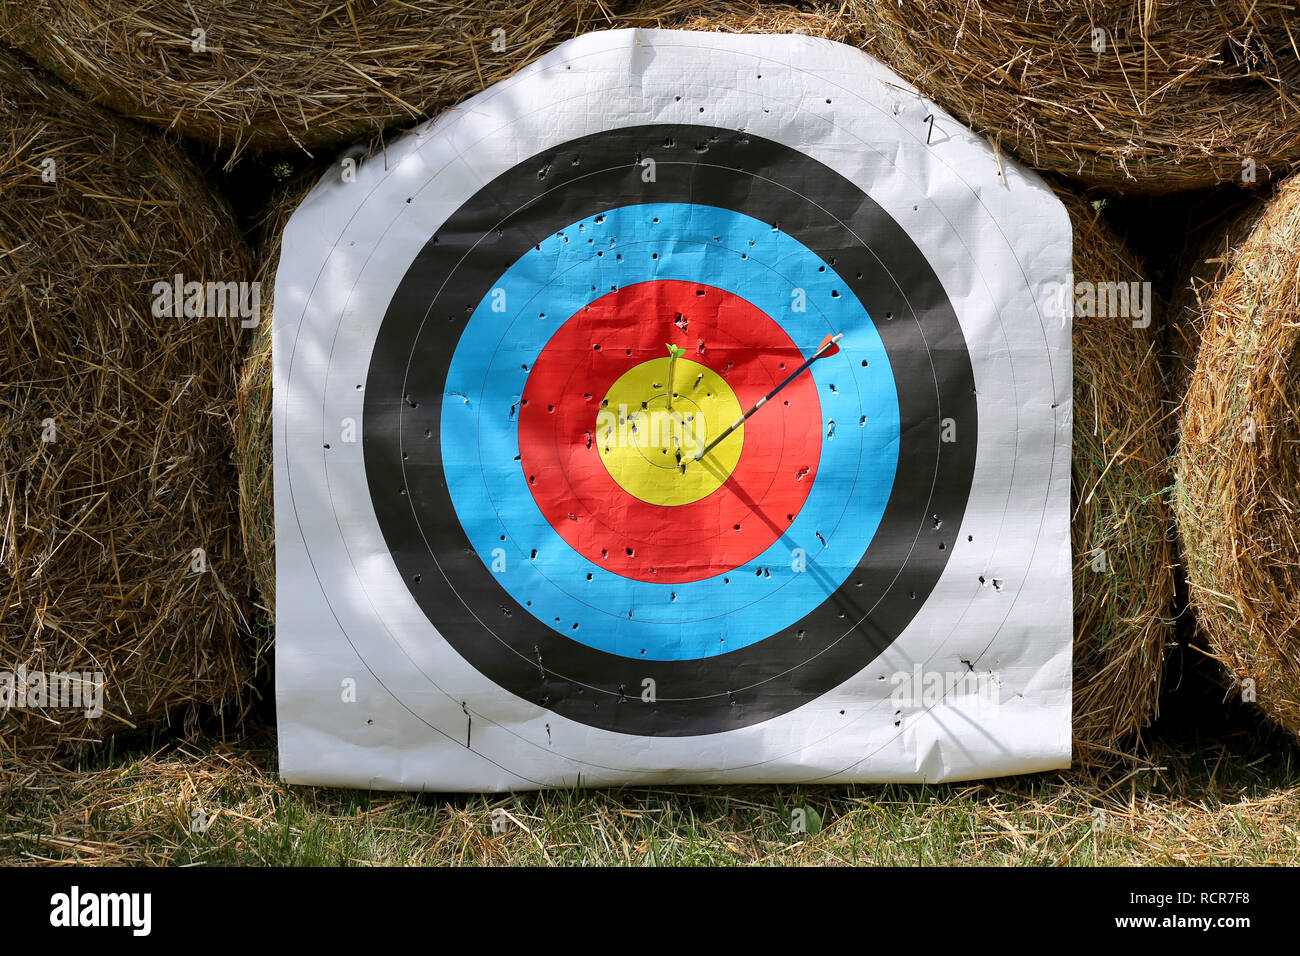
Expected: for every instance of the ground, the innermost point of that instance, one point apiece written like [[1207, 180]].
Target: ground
[[1231, 800]]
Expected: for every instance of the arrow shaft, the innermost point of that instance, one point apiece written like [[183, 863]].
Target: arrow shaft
[[763, 401]]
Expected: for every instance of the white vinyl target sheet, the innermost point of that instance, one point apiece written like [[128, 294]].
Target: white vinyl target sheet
[[685, 408]]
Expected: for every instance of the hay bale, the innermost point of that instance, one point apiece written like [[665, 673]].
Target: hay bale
[[275, 74], [1238, 468], [115, 461], [1182, 93], [1120, 527]]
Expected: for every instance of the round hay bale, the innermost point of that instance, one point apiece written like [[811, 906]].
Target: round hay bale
[[1238, 469], [115, 459], [1120, 528], [1144, 97], [275, 74], [1123, 572]]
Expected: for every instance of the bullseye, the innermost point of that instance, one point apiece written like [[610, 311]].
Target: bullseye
[[649, 448]]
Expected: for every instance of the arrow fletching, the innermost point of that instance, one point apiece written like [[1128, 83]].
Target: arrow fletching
[[829, 346]]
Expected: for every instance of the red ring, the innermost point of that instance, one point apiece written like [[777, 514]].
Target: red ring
[[616, 530]]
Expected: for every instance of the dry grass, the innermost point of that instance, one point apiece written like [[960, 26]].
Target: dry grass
[[284, 73], [1238, 466], [1182, 93], [1121, 527], [98, 525], [1232, 802]]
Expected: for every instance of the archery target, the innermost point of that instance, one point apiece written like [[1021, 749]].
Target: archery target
[[498, 529]]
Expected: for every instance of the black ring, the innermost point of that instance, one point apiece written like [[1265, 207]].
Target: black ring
[[459, 266]]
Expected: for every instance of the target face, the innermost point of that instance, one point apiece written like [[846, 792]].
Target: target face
[[604, 474], [532, 328]]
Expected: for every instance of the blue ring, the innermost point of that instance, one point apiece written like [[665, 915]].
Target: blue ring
[[552, 282]]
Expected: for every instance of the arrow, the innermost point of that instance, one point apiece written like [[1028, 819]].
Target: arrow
[[674, 352], [830, 345]]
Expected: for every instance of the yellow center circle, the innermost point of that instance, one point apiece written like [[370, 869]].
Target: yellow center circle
[[648, 445]]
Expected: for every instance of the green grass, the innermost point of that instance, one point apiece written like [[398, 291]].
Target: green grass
[[1232, 801]]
